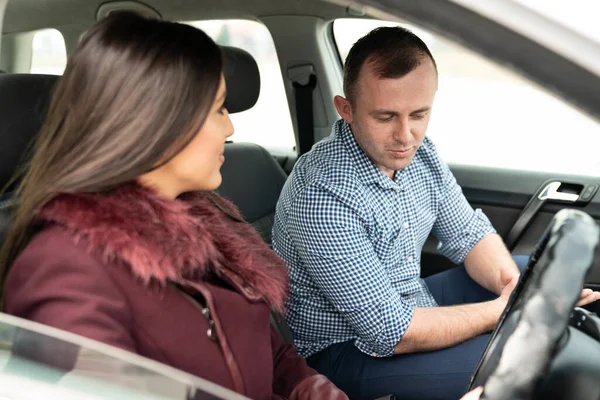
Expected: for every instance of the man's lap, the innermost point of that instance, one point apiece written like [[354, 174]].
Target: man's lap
[[442, 374]]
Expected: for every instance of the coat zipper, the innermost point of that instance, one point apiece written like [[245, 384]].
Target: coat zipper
[[232, 366]]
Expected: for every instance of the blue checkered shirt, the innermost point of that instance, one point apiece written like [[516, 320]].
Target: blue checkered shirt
[[352, 238]]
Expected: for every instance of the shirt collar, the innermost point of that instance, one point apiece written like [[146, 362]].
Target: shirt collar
[[367, 170]]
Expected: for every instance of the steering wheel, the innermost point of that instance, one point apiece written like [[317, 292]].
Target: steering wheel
[[523, 342]]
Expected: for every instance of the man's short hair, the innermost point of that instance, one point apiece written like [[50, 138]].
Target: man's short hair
[[393, 51]]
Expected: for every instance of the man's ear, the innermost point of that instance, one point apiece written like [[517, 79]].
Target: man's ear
[[344, 108]]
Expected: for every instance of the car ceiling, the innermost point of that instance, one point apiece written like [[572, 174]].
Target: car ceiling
[[27, 15]]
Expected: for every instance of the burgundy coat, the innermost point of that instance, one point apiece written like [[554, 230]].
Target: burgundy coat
[[125, 267]]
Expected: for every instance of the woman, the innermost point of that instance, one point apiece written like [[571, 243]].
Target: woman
[[118, 236]]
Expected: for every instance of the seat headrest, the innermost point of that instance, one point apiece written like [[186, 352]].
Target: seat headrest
[[242, 79], [252, 180], [24, 100]]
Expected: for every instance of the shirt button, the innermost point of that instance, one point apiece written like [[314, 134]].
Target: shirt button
[[405, 225], [410, 259]]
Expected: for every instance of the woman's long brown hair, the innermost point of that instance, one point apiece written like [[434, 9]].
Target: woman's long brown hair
[[133, 94]]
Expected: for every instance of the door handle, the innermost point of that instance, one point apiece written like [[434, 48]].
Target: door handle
[[550, 192]]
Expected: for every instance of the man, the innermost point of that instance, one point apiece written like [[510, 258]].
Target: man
[[351, 223]]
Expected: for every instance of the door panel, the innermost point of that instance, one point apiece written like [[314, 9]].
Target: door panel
[[502, 195]]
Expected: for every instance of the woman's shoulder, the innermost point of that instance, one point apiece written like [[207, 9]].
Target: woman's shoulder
[[53, 241], [51, 249], [56, 282]]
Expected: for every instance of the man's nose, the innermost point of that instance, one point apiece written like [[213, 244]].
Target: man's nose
[[402, 131]]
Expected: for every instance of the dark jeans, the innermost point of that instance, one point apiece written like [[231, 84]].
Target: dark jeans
[[442, 374]]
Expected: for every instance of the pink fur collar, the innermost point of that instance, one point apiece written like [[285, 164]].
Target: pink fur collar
[[173, 240]]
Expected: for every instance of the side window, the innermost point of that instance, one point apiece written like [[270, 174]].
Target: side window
[[487, 115], [268, 123], [48, 53]]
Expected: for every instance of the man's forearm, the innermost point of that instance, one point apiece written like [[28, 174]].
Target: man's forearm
[[435, 328], [489, 261]]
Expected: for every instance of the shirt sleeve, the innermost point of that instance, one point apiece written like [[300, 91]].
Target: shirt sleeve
[[458, 227], [335, 248]]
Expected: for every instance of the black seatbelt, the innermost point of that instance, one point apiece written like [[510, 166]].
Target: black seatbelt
[[523, 221], [549, 191], [304, 113]]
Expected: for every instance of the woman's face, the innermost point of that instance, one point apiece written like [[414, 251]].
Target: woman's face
[[197, 166]]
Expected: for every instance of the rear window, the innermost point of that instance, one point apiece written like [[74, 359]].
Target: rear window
[[268, 123], [48, 52]]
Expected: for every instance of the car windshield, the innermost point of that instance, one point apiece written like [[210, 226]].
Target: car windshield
[[578, 15], [35, 360]]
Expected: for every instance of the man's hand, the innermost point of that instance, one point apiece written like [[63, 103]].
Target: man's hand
[[490, 264], [474, 394], [587, 296], [510, 282], [507, 277]]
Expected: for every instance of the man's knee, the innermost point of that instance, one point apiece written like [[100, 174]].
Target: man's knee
[[441, 374]]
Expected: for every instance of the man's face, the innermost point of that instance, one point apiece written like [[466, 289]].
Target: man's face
[[389, 117]]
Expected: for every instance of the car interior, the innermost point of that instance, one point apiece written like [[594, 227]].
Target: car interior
[[522, 203], [305, 45]]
